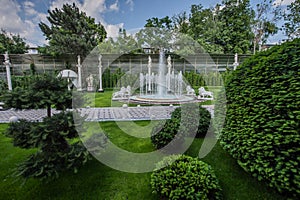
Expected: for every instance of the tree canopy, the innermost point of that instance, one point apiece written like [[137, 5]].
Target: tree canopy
[[12, 43], [292, 18], [71, 31], [43, 91]]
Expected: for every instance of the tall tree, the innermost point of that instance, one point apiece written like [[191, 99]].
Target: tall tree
[[164, 22], [124, 43], [12, 43], [181, 22], [292, 18], [157, 33], [264, 24], [72, 31], [205, 28], [237, 17]]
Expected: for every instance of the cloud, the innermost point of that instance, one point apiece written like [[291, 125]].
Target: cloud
[[113, 30], [27, 25], [130, 3], [283, 2], [114, 7], [29, 8]]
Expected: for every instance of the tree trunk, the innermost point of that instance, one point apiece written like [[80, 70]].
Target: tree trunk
[[49, 110]]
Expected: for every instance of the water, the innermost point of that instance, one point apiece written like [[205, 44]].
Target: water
[[161, 89]]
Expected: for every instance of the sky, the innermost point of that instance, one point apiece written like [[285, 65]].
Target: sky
[[22, 16]]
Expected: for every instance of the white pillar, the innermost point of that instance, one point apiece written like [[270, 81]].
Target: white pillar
[[149, 73], [236, 62], [100, 73], [79, 66], [7, 66]]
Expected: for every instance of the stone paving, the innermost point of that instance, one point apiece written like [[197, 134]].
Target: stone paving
[[101, 114]]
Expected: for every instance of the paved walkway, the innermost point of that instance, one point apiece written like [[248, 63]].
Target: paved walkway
[[100, 114]]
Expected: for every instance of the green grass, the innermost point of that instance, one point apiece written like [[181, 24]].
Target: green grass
[[97, 181]]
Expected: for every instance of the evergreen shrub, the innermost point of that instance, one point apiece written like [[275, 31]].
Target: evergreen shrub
[[262, 127], [185, 178], [185, 121]]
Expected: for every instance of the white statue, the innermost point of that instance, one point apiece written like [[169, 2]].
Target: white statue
[[78, 59], [169, 61], [149, 61], [100, 60], [6, 58], [90, 82], [204, 94], [190, 91]]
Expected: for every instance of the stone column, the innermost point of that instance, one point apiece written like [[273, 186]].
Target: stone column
[[236, 62], [7, 66], [79, 66], [149, 72], [100, 73]]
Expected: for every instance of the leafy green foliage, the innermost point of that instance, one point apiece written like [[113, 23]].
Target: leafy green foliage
[[11, 43], [55, 152], [41, 91], [72, 31], [262, 123], [187, 120], [236, 34], [186, 178], [292, 20], [21, 134], [205, 29], [165, 132], [264, 23]]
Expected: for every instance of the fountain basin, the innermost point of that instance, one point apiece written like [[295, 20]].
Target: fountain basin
[[165, 99]]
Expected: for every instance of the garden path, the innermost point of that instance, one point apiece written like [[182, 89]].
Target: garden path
[[101, 114]]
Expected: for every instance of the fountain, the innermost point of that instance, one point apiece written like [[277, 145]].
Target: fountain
[[161, 88]]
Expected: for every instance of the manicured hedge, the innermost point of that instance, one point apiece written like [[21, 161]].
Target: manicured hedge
[[187, 120], [186, 178], [262, 128]]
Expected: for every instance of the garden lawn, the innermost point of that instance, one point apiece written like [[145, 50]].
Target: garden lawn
[[97, 181]]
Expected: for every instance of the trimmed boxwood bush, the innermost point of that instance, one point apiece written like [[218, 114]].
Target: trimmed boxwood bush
[[186, 178], [262, 128], [185, 121]]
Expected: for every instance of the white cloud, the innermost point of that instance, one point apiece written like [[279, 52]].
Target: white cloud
[[113, 30], [27, 26], [94, 8], [29, 8], [130, 3], [283, 2], [9, 19], [114, 7]]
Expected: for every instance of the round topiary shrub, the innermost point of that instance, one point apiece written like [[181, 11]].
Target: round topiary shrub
[[187, 120], [185, 178], [191, 117], [263, 117]]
